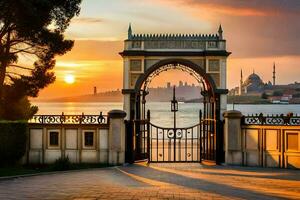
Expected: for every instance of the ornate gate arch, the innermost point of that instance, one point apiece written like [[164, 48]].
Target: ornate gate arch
[[145, 56], [175, 62]]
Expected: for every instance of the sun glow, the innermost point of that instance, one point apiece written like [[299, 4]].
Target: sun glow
[[69, 79]]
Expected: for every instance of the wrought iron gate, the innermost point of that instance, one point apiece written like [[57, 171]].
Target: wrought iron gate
[[175, 144], [203, 141], [189, 144]]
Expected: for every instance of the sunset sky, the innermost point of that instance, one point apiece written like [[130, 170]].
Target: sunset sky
[[258, 33]]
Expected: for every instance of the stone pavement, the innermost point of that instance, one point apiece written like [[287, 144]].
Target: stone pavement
[[158, 181]]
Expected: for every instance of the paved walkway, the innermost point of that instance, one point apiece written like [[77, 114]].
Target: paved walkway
[[159, 181]]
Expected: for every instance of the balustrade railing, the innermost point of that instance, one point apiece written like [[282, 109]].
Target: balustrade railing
[[69, 119], [260, 119]]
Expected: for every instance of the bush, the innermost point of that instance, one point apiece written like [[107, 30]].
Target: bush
[[277, 93], [13, 139], [62, 164], [264, 96], [297, 95], [15, 108]]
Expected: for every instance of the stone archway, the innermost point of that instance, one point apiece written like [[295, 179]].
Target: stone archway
[[143, 55]]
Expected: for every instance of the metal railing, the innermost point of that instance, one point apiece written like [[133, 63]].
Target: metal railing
[[260, 119], [69, 119]]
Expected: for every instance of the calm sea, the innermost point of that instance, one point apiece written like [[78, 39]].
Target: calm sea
[[160, 111]]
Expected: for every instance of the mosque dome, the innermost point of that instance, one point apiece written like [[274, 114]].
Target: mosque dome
[[253, 83], [253, 79]]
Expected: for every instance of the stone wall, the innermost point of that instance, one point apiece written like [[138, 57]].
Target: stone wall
[[81, 143], [260, 145]]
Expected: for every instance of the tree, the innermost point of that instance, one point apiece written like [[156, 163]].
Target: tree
[[277, 93], [297, 95], [264, 95], [34, 30]]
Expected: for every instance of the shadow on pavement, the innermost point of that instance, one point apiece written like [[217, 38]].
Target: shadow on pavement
[[195, 183]]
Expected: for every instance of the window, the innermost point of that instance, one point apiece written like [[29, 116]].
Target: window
[[212, 44], [53, 138], [214, 65], [136, 65], [89, 138], [136, 44]]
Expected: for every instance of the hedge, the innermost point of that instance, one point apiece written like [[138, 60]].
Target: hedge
[[13, 139]]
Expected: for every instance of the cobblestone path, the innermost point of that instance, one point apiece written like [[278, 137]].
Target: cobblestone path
[[158, 181]]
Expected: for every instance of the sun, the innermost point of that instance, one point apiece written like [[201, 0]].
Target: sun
[[69, 79]]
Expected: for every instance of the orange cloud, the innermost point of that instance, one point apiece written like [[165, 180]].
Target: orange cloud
[[231, 8], [94, 50], [87, 20], [233, 11]]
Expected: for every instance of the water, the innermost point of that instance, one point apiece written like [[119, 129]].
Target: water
[[187, 115], [76, 108]]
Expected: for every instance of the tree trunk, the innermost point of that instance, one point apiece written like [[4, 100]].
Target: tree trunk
[[2, 78], [4, 64]]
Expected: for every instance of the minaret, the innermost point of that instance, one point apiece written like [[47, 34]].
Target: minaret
[[241, 83], [220, 31], [129, 31], [274, 73], [95, 90]]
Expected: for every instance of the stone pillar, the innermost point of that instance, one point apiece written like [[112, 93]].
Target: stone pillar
[[126, 86], [233, 137], [223, 84], [126, 105], [116, 137]]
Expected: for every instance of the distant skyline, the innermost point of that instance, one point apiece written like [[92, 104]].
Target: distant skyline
[[257, 33]]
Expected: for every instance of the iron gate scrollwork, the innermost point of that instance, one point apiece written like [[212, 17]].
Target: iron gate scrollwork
[[176, 144], [189, 144]]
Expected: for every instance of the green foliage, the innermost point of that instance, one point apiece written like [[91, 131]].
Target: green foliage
[[297, 95], [62, 164], [32, 29], [277, 93], [16, 108], [264, 96], [13, 139], [247, 100]]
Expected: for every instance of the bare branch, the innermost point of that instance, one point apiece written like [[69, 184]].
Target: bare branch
[[17, 44], [21, 67], [13, 73], [10, 77], [26, 50], [4, 30]]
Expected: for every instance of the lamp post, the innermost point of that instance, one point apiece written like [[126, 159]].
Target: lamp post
[[174, 109]]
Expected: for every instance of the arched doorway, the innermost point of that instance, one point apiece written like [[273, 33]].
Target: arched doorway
[[176, 144], [204, 57]]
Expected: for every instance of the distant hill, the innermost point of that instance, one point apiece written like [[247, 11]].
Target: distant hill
[[113, 96], [247, 99], [162, 94]]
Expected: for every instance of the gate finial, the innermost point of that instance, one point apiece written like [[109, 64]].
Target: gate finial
[[129, 31], [220, 31]]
